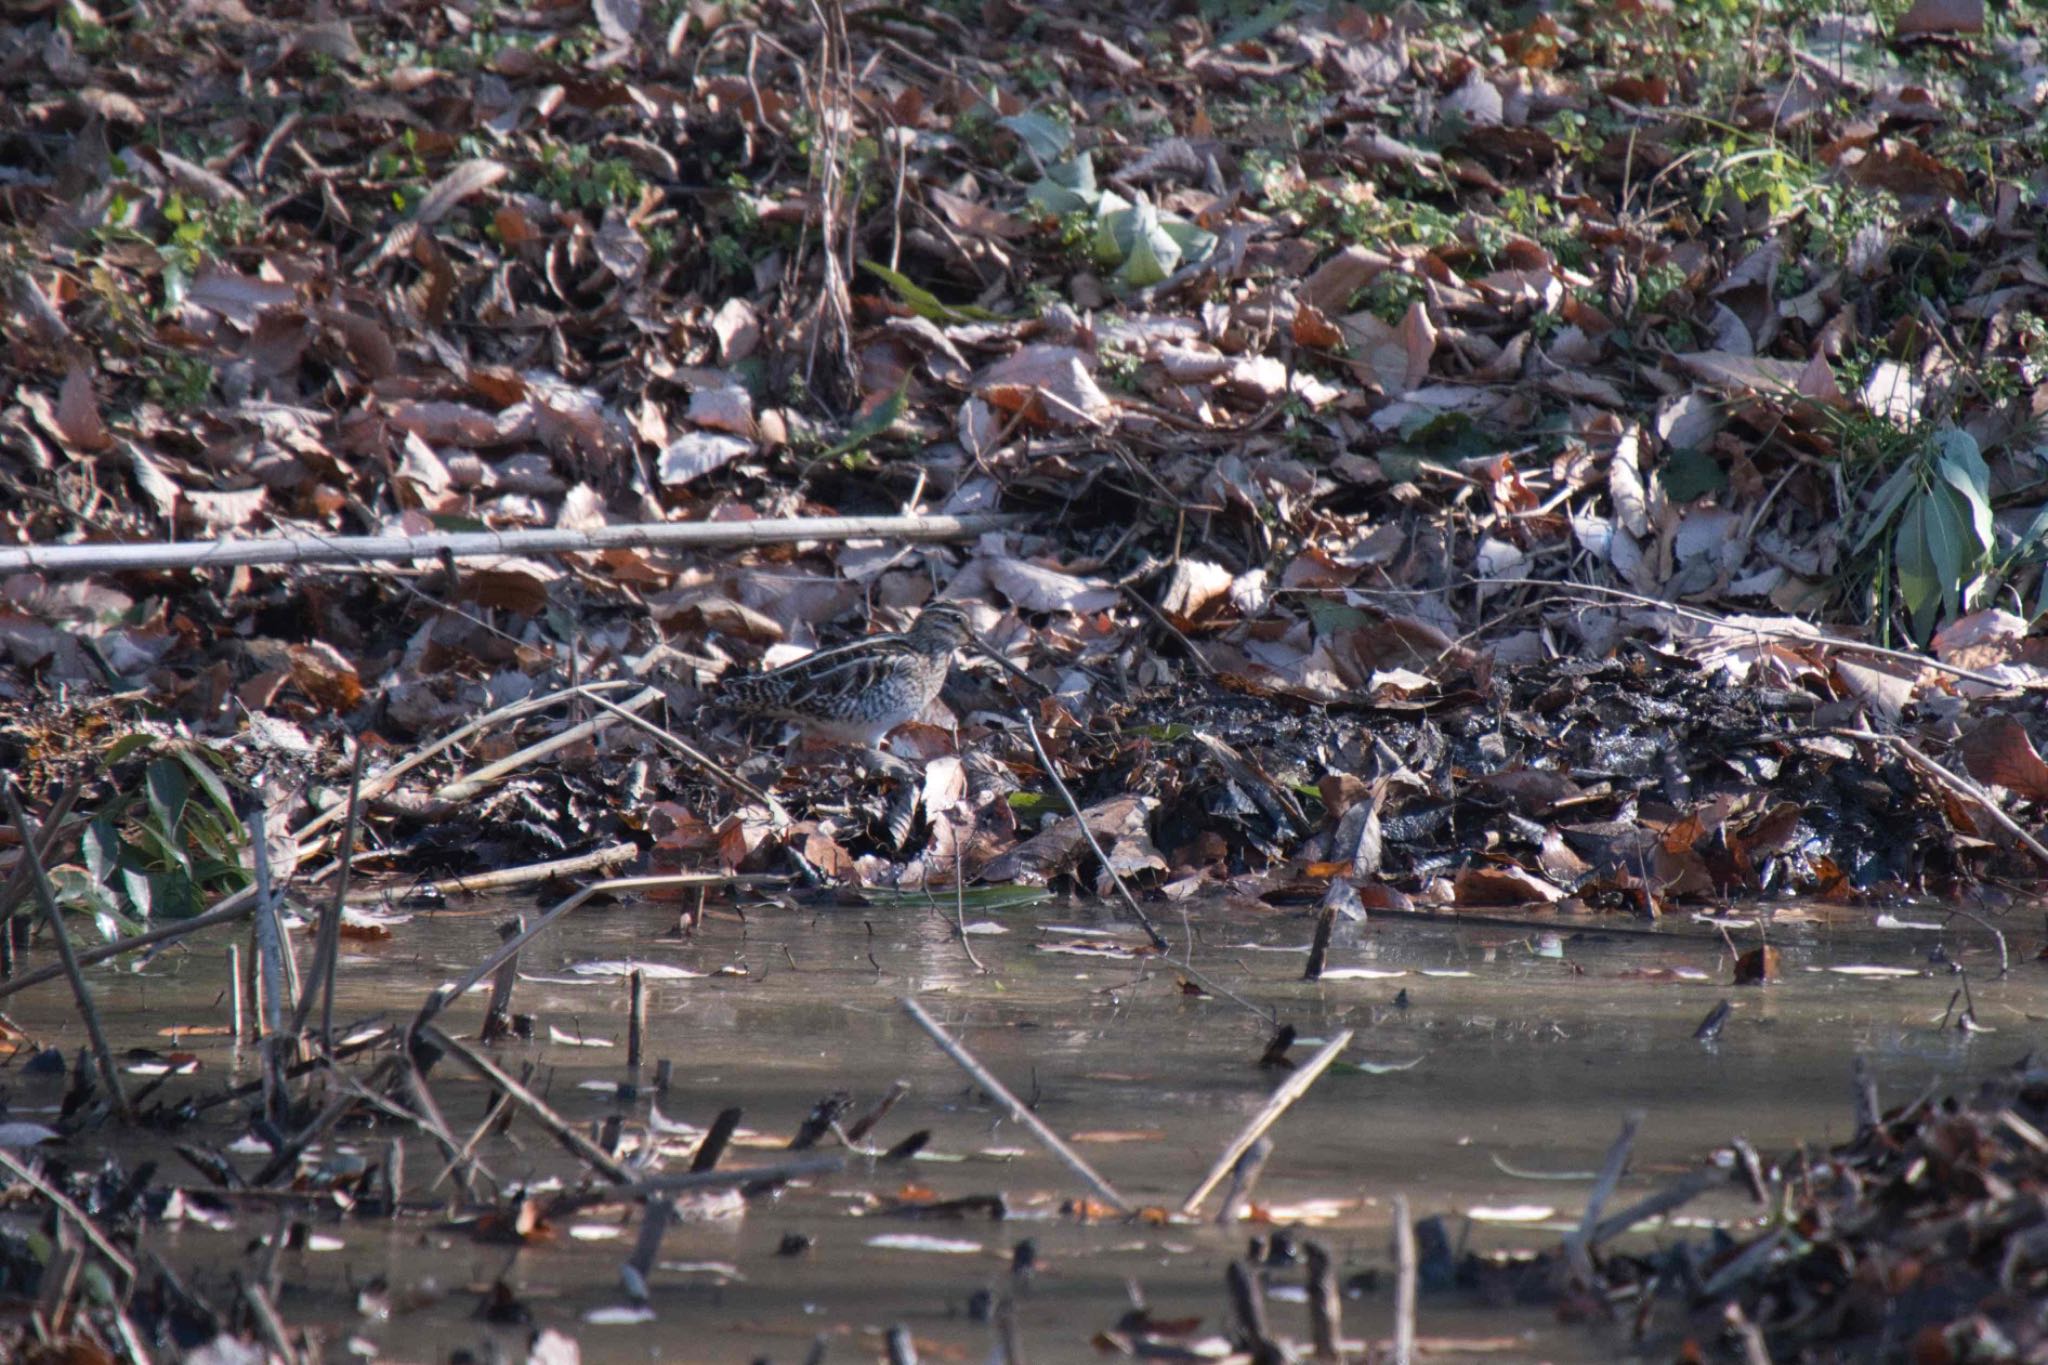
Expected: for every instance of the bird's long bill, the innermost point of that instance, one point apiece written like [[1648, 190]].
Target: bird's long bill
[[1019, 674]]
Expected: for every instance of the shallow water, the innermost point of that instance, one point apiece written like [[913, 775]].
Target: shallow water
[[1497, 1053]]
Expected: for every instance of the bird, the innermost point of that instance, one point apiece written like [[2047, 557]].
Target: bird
[[856, 694]]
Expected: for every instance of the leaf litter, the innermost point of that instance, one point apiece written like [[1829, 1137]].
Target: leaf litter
[[1586, 465]]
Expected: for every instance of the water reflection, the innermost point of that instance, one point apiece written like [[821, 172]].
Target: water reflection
[[1485, 1056]]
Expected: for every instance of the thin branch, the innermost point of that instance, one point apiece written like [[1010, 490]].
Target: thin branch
[[314, 549], [68, 961], [1292, 1089], [986, 1079]]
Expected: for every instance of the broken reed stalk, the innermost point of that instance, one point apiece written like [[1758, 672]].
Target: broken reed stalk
[[696, 757], [986, 1079], [1579, 1242], [1244, 1177], [636, 1019], [28, 1176], [1319, 950], [498, 1005], [17, 888], [272, 949], [1405, 1274], [1053, 773], [1292, 1089], [445, 996], [1248, 1311], [557, 1127], [68, 963], [1325, 1304], [685, 535], [1678, 1193], [327, 946]]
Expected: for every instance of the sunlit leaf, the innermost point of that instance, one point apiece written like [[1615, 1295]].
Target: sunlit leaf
[[1046, 137]]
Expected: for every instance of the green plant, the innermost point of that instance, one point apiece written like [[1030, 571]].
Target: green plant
[[163, 847], [1931, 523], [179, 381]]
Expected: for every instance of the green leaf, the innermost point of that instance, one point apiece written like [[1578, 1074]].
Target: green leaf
[[923, 302], [1974, 503], [1153, 254], [1330, 617], [101, 845], [210, 783], [1068, 187], [1886, 503], [126, 745], [1956, 448], [1919, 583], [1194, 242], [1112, 229], [1947, 527], [1690, 474], [879, 420], [1047, 137], [2035, 534], [141, 889], [168, 791]]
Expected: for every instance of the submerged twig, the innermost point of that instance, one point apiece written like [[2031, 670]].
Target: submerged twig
[[1292, 1089], [1578, 1243], [986, 1079]]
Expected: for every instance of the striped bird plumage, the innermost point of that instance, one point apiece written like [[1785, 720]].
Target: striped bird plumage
[[858, 693]]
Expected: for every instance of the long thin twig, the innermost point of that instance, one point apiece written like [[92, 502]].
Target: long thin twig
[[526, 874], [692, 535], [327, 947], [1811, 637], [385, 780], [1962, 786], [1053, 773], [68, 962], [986, 1079], [28, 1176], [1292, 1089], [53, 831], [558, 1128], [697, 758], [468, 785]]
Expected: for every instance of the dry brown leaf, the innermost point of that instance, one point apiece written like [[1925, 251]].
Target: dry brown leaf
[[1998, 751]]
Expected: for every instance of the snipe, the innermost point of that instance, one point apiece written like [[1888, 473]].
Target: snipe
[[858, 693]]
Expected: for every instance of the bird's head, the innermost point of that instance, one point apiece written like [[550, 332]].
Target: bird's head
[[941, 625]]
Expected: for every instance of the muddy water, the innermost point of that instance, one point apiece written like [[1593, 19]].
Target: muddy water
[[1485, 1056]]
